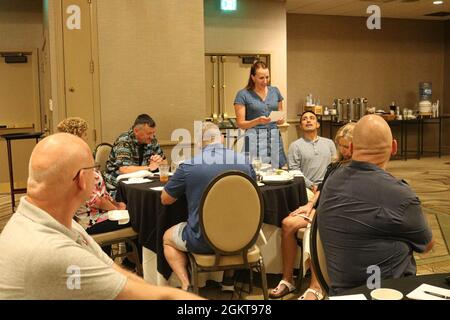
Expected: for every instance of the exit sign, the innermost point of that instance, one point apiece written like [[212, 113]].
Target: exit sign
[[228, 5]]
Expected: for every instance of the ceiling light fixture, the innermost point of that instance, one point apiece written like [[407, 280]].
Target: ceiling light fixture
[[438, 2]]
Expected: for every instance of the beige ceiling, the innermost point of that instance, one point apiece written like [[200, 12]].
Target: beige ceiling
[[405, 9]]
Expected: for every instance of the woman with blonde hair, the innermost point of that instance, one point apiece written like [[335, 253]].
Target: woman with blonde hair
[[291, 224], [100, 202]]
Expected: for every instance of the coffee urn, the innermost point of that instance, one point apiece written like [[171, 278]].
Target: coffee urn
[[354, 109], [339, 105], [362, 107]]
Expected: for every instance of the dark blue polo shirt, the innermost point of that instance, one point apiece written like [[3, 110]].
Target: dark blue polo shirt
[[367, 217], [193, 176]]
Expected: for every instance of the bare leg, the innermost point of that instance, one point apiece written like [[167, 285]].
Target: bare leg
[[314, 284], [289, 248], [177, 259]]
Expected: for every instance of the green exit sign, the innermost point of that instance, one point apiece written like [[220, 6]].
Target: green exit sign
[[228, 5]]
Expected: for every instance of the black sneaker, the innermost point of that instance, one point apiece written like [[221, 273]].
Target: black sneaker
[[227, 284], [127, 264]]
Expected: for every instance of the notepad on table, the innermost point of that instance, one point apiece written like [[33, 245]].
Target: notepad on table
[[429, 292]]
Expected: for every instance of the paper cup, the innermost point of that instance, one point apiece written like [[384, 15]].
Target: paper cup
[[386, 294]]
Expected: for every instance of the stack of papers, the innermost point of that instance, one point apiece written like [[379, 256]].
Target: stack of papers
[[429, 292]]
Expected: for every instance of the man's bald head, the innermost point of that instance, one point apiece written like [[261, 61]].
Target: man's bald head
[[372, 140], [54, 162]]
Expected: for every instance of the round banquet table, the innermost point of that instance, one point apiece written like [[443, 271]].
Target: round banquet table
[[150, 219]]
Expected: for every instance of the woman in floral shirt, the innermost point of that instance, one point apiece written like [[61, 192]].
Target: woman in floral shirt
[[94, 213]]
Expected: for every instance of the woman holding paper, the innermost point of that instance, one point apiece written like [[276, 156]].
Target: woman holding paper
[[253, 106]]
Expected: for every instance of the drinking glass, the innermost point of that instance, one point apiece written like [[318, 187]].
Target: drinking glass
[[256, 163], [164, 173]]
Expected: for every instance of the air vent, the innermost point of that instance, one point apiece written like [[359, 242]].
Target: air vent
[[438, 14]]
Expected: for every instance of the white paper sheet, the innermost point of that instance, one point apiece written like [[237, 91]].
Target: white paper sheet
[[136, 174], [350, 297], [276, 115], [137, 181], [157, 188], [419, 292]]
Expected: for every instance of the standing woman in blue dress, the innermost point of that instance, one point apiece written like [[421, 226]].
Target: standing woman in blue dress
[[252, 106]]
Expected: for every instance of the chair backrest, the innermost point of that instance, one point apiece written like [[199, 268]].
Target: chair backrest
[[318, 259], [231, 213], [101, 154]]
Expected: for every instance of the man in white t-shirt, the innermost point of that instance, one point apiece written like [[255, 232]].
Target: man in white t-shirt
[[45, 253]]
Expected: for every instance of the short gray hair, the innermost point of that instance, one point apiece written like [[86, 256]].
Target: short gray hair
[[210, 133]]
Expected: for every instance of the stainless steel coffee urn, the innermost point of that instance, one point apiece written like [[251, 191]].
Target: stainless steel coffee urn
[[354, 109], [339, 105], [362, 107]]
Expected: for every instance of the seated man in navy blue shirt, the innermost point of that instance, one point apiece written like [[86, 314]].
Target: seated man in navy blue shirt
[[368, 218], [191, 178]]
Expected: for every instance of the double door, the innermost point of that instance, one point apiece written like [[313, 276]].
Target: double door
[[225, 75]]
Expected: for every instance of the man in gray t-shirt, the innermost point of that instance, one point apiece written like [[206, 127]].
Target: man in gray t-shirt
[[311, 154], [45, 253]]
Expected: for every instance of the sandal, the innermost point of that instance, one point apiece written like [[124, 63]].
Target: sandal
[[318, 294], [283, 288]]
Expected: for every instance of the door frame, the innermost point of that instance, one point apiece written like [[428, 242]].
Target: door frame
[[58, 90], [220, 72]]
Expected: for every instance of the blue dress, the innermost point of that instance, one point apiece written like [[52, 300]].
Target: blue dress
[[263, 138]]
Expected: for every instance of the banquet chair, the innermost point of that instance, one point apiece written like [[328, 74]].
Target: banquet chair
[[126, 235], [318, 259], [231, 216], [299, 238], [101, 154]]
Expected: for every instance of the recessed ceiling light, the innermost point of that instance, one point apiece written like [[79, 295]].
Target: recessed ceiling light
[[438, 2]]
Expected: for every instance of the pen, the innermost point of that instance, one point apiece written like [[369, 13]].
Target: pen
[[437, 295]]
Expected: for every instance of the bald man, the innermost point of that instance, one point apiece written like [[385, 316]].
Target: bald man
[[366, 217], [45, 253]]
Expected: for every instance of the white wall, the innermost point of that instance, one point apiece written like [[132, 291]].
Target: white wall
[[257, 26], [151, 61]]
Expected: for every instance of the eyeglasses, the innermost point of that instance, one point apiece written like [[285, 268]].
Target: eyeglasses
[[97, 166]]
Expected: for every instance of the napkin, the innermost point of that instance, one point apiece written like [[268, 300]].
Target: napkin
[[121, 216], [419, 292], [349, 297], [137, 181], [136, 174], [157, 188]]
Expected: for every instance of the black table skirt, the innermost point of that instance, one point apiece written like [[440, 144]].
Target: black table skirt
[[150, 219]]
